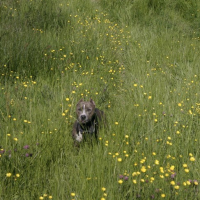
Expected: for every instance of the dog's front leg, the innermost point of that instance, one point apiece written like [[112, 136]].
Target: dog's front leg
[[76, 134], [79, 137]]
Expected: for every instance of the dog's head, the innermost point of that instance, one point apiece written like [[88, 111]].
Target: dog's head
[[85, 110]]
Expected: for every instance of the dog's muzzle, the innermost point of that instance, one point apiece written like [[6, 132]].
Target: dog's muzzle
[[83, 117]]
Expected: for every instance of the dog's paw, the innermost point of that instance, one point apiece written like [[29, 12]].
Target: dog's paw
[[79, 137]]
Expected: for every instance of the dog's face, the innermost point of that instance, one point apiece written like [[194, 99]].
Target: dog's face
[[85, 110]]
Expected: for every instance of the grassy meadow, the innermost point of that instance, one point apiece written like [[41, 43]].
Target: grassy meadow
[[138, 60]]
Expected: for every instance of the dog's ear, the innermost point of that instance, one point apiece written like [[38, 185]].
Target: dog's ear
[[92, 102], [79, 102]]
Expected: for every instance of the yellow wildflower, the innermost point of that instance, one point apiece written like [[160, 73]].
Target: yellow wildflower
[[143, 169], [8, 174], [157, 162], [176, 187], [73, 194], [172, 182], [163, 195], [134, 181], [119, 159], [196, 182], [184, 165], [192, 159], [187, 170]]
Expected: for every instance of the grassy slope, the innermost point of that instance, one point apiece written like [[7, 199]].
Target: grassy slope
[[138, 61]]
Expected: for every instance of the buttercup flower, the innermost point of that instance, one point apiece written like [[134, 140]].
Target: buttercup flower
[[17, 175], [163, 195], [134, 181], [188, 182], [195, 182], [120, 181], [176, 187], [187, 170], [185, 165], [172, 183], [8, 175], [119, 159], [143, 169], [157, 162], [73, 194], [192, 159]]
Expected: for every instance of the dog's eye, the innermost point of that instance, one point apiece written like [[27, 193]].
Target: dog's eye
[[89, 110], [79, 109]]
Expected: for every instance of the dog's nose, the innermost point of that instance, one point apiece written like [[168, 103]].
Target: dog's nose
[[83, 117]]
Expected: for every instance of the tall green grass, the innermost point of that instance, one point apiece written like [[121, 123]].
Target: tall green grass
[[139, 62]]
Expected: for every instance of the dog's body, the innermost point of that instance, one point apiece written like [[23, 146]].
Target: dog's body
[[88, 120]]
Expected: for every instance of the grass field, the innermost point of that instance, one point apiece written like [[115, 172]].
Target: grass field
[[138, 60]]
